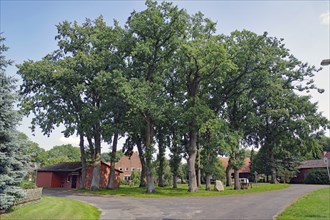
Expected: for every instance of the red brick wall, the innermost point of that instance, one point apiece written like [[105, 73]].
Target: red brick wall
[[125, 162], [59, 179], [104, 176]]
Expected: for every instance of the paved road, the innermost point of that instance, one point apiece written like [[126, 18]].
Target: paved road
[[256, 206]]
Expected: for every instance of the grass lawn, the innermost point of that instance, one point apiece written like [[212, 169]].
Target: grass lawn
[[181, 191], [53, 208], [315, 205]]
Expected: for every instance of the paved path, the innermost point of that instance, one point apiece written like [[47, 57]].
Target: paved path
[[256, 206]]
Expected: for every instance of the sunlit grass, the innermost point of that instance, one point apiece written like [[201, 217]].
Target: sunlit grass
[[181, 191], [53, 208], [315, 205]]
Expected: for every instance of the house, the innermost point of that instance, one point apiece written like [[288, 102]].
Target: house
[[244, 172], [305, 167], [68, 175], [128, 164]]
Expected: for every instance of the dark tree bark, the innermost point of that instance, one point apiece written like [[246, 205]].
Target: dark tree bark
[[175, 160], [148, 136], [143, 164], [95, 185], [198, 164], [175, 184], [112, 176], [161, 159], [83, 163], [192, 153], [228, 174]]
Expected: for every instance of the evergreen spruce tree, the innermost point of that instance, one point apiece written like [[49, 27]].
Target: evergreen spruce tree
[[12, 161]]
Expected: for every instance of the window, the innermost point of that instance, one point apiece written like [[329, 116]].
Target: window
[[126, 169], [68, 179], [139, 169], [127, 178], [120, 168], [132, 169]]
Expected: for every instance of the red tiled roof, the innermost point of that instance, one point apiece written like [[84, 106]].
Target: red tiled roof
[[244, 169], [312, 164]]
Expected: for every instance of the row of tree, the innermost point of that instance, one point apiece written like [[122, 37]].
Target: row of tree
[[166, 79]]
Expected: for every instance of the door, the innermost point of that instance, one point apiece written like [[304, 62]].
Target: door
[[73, 181]]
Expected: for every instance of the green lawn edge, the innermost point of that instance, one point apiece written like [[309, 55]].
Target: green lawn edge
[[314, 205], [49, 207], [181, 191]]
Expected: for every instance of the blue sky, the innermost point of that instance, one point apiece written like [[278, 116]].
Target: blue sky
[[29, 28]]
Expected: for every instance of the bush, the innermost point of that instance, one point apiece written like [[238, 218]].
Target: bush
[[25, 184], [318, 176]]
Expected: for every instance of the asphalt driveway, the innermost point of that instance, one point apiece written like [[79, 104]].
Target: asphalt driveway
[[261, 206]]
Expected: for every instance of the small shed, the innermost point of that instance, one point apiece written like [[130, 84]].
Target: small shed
[[68, 175], [305, 167]]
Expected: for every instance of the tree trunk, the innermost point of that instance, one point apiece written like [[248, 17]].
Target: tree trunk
[[161, 159], [175, 184], [273, 169], [175, 160], [208, 183], [228, 174], [83, 163], [97, 160], [237, 185], [198, 166], [148, 137], [112, 175], [273, 176], [143, 164], [192, 153]]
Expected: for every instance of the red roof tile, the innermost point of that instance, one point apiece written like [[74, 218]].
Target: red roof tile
[[244, 169]]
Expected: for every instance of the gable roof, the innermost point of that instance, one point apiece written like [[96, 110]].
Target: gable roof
[[312, 164], [133, 161], [244, 169], [68, 167]]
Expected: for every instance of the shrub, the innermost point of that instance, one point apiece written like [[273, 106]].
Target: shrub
[[317, 176], [27, 184]]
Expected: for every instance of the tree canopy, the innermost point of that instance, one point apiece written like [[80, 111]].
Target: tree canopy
[[167, 79]]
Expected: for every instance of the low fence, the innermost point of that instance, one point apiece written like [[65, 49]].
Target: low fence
[[30, 195]]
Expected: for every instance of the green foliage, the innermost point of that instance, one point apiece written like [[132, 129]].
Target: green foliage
[[13, 163], [167, 77], [317, 176], [135, 177], [25, 184], [167, 174], [36, 153]]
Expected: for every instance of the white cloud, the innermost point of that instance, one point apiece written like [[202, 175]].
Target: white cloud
[[325, 18], [70, 140]]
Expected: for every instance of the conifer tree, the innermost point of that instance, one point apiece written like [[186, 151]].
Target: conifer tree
[[12, 161]]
